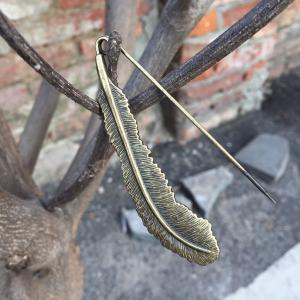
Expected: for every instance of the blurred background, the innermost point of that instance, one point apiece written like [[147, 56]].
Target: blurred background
[[250, 101]]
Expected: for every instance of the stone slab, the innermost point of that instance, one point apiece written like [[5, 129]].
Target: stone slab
[[266, 156], [133, 224], [279, 282], [205, 187], [183, 200]]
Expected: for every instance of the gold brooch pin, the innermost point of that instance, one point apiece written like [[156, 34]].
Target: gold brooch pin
[[177, 228]]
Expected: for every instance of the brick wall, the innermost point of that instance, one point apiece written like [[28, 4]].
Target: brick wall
[[237, 84], [64, 31]]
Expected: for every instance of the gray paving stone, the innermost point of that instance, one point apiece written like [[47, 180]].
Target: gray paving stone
[[132, 223], [289, 183], [207, 186], [279, 282], [266, 156], [184, 200]]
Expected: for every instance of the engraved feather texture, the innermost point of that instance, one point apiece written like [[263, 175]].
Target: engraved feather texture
[[177, 228]]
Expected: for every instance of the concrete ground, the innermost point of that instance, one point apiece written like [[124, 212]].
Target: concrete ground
[[252, 233]]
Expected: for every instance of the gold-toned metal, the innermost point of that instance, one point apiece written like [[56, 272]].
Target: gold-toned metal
[[99, 41], [199, 126], [177, 228]]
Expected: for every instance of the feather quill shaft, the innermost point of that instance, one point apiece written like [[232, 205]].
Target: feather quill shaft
[[176, 227]]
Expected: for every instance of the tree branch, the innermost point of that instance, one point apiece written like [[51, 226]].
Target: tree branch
[[37, 124], [226, 43], [21, 46], [177, 20], [246, 27], [174, 32], [236, 35], [30, 236], [14, 177], [233, 37], [122, 17], [82, 172]]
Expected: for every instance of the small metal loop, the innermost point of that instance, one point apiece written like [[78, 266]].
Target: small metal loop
[[99, 44]]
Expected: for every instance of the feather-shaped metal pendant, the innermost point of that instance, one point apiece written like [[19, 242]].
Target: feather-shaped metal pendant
[[177, 228]]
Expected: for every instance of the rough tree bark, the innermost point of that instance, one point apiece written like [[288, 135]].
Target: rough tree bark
[[35, 245], [38, 255], [38, 247]]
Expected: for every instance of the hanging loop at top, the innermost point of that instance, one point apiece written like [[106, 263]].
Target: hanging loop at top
[[99, 45]]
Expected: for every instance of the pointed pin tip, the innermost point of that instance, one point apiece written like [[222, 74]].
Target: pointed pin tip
[[259, 186], [271, 198]]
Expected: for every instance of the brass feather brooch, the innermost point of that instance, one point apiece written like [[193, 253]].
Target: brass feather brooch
[[177, 227]]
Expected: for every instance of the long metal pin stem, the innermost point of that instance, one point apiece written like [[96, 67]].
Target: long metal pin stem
[[200, 127]]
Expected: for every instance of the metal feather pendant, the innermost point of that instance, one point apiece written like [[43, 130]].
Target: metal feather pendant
[[177, 228]]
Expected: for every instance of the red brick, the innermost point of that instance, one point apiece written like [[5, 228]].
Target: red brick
[[216, 104], [86, 21], [232, 15], [13, 69], [75, 3], [248, 54], [205, 75], [202, 91], [220, 2], [226, 100], [87, 47], [248, 75], [143, 8], [81, 75], [217, 69], [277, 69], [289, 15], [11, 98], [60, 55], [207, 24], [56, 28], [242, 57], [139, 28], [50, 29], [215, 112], [268, 30], [189, 50]]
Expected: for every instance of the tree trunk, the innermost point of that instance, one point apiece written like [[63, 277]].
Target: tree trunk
[[38, 251]]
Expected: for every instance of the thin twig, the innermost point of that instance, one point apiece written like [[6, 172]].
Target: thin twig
[[177, 20]]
